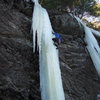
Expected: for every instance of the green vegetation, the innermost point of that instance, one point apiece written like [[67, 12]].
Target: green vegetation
[[76, 6], [95, 10], [94, 25], [83, 4]]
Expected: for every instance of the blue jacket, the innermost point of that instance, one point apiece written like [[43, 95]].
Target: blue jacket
[[58, 36]]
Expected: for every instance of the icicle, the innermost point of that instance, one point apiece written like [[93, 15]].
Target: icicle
[[94, 55], [50, 75], [90, 35], [92, 44], [97, 33], [36, 2], [37, 25]]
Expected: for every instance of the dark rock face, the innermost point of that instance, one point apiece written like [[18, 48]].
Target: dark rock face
[[79, 76], [19, 76], [19, 70], [80, 79], [65, 23]]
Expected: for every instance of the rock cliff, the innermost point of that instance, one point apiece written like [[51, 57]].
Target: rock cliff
[[19, 67]]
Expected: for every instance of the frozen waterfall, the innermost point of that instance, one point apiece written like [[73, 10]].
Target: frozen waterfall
[[50, 75], [92, 44]]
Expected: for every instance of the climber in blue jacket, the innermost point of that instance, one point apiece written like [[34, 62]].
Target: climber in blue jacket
[[57, 39]]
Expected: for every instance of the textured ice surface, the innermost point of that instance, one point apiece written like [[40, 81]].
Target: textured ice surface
[[50, 75], [92, 44]]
